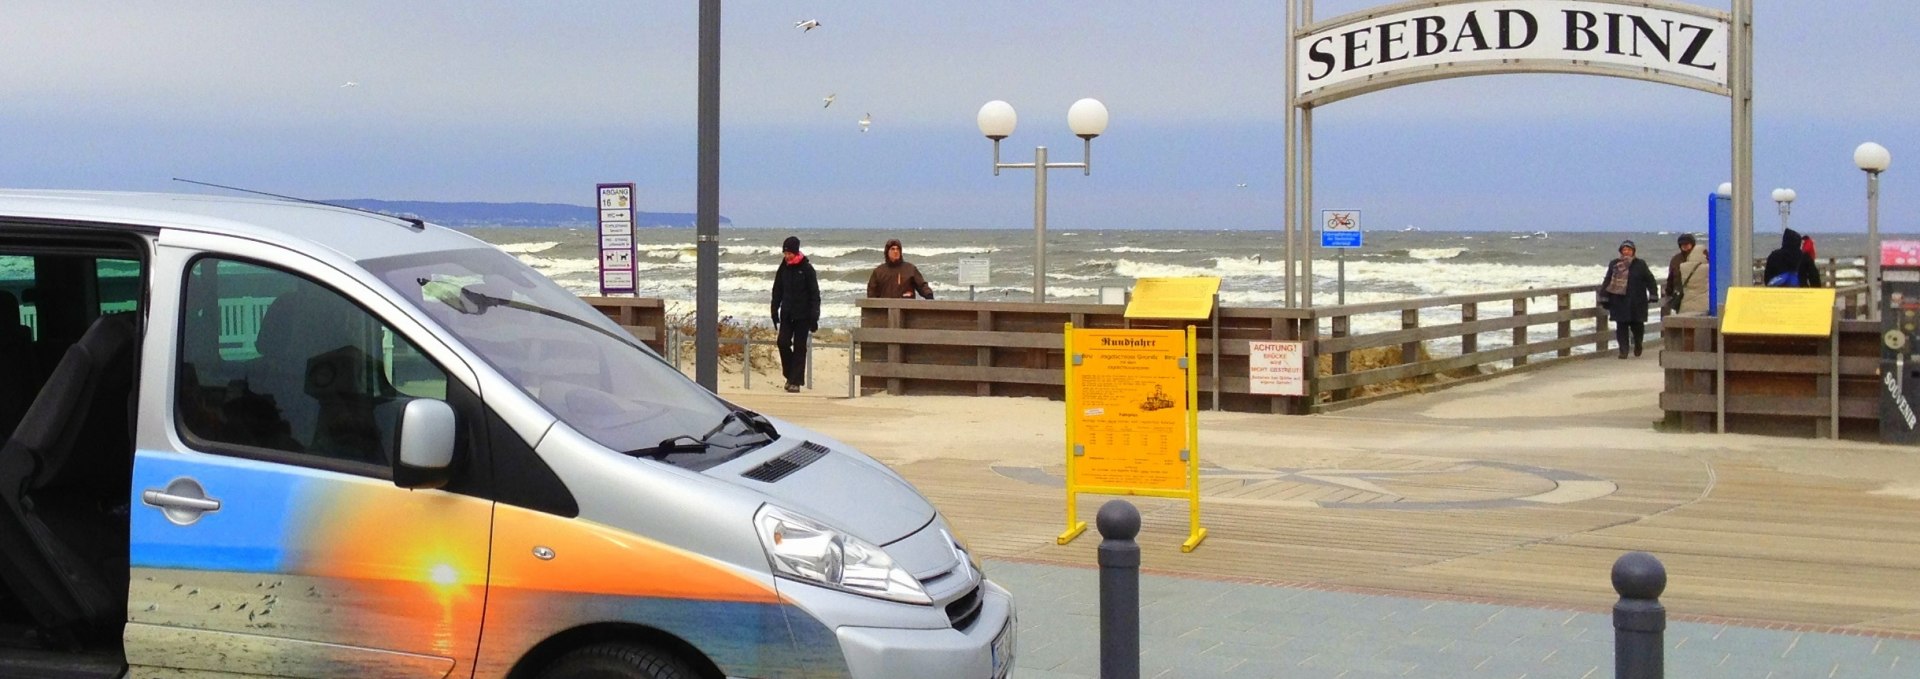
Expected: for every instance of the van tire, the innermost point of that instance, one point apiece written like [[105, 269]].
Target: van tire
[[619, 660]]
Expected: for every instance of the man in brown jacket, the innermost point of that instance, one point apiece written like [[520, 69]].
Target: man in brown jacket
[[896, 278]]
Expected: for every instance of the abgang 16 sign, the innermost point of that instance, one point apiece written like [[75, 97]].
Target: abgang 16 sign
[[1363, 52]]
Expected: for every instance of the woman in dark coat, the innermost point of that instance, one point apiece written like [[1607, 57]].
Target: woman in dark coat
[[1626, 291]]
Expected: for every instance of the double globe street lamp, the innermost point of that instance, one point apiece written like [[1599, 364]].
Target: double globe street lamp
[[1784, 198], [1873, 159], [1087, 118]]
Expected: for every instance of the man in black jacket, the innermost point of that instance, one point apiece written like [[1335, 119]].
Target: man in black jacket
[[796, 310]]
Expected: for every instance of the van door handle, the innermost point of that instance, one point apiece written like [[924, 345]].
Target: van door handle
[[183, 501], [163, 499]]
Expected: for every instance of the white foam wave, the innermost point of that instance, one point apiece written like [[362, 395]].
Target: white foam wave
[[527, 248], [1431, 254], [1128, 249]]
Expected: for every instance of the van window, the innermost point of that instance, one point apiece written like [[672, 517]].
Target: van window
[[16, 278], [272, 360]]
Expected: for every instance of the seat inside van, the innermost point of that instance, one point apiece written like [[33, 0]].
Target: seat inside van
[[66, 466]]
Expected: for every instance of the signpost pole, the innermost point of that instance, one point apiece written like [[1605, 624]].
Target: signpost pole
[[1740, 81], [1293, 177], [1074, 525], [1341, 292], [1306, 196], [1194, 532], [706, 343]]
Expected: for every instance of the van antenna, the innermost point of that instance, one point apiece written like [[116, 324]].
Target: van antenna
[[416, 222]]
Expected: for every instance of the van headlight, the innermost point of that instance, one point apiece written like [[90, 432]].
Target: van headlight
[[805, 549]]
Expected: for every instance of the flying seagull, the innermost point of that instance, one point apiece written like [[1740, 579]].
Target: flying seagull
[[807, 25], [866, 121], [350, 84], [828, 99], [1240, 185]]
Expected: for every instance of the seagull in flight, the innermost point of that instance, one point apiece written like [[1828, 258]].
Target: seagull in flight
[[828, 99], [807, 25], [350, 83], [1240, 185], [866, 121]]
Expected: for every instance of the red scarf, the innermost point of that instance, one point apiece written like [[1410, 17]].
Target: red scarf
[[794, 258]]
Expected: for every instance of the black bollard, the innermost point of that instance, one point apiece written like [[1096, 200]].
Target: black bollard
[[1639, 621], [1119, 522]]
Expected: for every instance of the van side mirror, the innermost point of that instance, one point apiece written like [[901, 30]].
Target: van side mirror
[[423, 445]]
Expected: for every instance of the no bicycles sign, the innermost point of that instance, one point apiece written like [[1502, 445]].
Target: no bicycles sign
[[1340, 229]]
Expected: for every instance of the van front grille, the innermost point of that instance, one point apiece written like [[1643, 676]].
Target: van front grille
[[793, 461], [964, 610]]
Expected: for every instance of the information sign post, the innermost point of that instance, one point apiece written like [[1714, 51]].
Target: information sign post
[[1777, 312], [1132, 424], [616, 238], [1340, 232], [974, 271]]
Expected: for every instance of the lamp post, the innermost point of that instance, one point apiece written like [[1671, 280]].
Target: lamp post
[[1784, 198], [1873, 159], [1088, 118]]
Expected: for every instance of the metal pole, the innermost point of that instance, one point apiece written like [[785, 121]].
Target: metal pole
[[746, 363], [1119, 557], [1785, 210], [1216, 352], [1639, 621], [1306, 204], [706, 370], [1740, 76], [1040, 224], [853, 352], [809, 338], [1873, 245], [1341, 292], [1293, 160]]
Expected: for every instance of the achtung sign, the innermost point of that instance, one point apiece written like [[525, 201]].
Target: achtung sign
[[1429, 40], [1132, 428]]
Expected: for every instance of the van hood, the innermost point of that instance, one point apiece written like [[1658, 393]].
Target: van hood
[[830, 482]]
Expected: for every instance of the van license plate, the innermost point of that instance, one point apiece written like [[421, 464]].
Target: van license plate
[[1003, 651]]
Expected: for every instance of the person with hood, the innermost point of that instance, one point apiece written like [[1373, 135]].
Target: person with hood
[[796, 310], [896, 278], [1626, 291], [1687, 245], [1789, 266]]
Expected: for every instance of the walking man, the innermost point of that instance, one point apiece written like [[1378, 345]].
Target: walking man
[[796, 310]]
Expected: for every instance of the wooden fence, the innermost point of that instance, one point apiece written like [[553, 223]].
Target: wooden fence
[[1014, 349], [1776, 385]]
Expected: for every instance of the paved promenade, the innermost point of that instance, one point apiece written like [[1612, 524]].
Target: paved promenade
[[1407, 517]]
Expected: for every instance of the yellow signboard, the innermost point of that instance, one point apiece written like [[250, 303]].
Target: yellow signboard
[[1186, 299], [1132, 425], [1804, 312]]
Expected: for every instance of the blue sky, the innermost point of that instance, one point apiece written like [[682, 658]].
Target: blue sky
[[500, 101]]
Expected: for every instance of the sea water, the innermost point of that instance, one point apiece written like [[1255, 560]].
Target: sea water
[[1391, 266]]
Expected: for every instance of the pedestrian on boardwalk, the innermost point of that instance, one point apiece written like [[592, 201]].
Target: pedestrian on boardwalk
[[1687, 245], [896, 278], [1626, 291], [1790, 266], [796, 310], [1695, 283]]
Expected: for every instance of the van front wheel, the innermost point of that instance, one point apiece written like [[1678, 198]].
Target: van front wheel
[[619, 661]]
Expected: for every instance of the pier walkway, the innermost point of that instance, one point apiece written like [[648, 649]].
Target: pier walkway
[[1514, 494]]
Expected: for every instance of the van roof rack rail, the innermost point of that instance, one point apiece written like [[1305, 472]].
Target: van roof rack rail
[[415, 222]]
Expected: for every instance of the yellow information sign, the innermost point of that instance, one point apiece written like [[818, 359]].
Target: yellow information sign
[[1803, 312], [1186, 299], [1132, 425]]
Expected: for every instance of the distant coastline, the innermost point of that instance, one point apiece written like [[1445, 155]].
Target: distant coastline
[[517, 215]]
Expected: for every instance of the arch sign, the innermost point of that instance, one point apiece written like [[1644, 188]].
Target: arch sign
[[1426, 40]]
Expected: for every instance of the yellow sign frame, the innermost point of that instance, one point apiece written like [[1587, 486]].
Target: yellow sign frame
[[1186, 299], [1792, 312], [1074, 412]]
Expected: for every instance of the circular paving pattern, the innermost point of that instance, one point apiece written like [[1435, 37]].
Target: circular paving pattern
[[1380, 481]]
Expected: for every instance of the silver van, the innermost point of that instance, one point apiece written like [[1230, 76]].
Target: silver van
[[255, 438]]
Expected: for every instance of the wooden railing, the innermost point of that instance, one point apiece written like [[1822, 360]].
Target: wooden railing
[[1483, 329], [645, 318], [1776, 385], [1014, 349]]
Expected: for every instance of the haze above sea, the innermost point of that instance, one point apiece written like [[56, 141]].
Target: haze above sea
[[1392, 265]]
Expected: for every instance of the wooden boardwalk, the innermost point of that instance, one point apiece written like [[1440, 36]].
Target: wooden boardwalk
[[1516, 490]]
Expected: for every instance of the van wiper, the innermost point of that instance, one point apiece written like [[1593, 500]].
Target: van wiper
[[672, 446], [754, 422]]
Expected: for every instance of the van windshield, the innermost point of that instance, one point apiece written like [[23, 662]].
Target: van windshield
[[576, 362]]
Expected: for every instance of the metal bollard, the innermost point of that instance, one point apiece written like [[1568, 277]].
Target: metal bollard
[[1639, 621], [746, 358], [1119, 522]]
